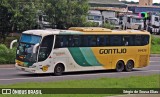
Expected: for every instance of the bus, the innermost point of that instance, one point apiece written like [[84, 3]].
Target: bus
[[82, 49]]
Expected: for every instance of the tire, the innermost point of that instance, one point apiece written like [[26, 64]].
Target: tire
[[120, 66], [129, 66], [59, 69]]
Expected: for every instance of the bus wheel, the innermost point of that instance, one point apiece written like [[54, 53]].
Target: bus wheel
[[120, 66], [59, 69], [129, 66]]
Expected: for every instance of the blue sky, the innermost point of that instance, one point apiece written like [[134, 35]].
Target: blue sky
[[154, 1]]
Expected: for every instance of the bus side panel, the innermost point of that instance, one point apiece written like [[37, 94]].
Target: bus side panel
[[104, 59], [109, 56], [79, 60], [142, 57]]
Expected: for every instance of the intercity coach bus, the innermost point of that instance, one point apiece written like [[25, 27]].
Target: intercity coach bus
[[82, 49]]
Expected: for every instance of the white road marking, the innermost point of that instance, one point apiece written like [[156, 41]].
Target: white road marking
[[8, 68], [75, 75], [152, 65], [154, 61]]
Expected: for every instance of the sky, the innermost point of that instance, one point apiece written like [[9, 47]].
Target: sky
[[154, 1]]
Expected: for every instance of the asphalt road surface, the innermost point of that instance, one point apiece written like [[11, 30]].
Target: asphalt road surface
[[11, 75]]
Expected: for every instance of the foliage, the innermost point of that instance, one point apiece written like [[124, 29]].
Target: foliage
[[20, 15], [155, 45], [17, 16], [155, 40], [7, 56], [67, 13], [109, 26], [90, 24]]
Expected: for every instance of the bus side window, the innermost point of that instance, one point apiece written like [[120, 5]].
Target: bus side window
[[85, 41], [102, 41], [65, 40], [145, 39], [76, 40], [92, 41], [138, 40], [59, 42], [115, 40], [127, 40], [69, 41]]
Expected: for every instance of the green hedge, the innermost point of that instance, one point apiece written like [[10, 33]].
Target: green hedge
[[7, 56], [155, 47]]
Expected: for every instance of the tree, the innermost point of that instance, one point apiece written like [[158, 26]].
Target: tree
[[67, 13], [5, 17], [17, 15], [25, 12]]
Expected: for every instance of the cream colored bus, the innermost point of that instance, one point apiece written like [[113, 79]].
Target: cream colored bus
[[82, 49]]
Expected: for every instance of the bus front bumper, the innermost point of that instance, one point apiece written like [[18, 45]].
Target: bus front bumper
[[26, 69]]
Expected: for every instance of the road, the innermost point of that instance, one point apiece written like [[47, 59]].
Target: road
[[11, 75]]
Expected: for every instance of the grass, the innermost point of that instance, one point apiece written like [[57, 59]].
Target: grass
[[151, 81], [155, 47]]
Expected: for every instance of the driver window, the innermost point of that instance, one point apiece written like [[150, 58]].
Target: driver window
[[45, 47]]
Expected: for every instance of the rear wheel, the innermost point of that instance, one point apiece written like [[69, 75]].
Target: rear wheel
[[59, 69], [129, 66], [120, 66]]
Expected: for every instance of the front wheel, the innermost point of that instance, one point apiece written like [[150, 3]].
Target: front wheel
[[129, 66], [120, 66], [58, 70]]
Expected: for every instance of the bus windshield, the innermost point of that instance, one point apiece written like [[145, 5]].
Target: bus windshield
[[137, 20], [95, 17], [25, 48]]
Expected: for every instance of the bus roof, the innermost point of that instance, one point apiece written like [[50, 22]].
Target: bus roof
[[83, 30], [99, 30]]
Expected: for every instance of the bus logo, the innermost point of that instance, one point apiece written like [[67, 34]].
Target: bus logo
[[112, 51]]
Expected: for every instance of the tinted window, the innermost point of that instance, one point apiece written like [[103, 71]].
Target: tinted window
[[145, 39], [45, 47], [115, 40], [138, 40], [102, 40], [128, 40], [63, 41], [92, 41], [156, 19]]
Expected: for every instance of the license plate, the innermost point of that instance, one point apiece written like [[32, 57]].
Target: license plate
[[22, 69]]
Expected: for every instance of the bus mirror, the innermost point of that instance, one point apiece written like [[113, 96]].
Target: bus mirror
[[35, 48], [11, 45]]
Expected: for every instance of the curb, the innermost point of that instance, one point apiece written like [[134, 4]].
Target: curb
[[7, 66], [155, 55]]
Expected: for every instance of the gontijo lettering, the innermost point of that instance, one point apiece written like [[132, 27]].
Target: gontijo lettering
[[113, 51]]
